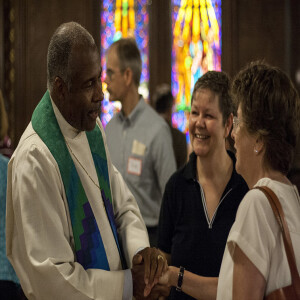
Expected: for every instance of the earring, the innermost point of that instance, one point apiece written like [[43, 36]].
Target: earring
[[255, 150]]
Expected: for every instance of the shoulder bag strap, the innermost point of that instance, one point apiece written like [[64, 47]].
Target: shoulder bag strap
[[279, 215]]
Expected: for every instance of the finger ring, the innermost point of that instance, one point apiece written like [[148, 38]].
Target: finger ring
[[160, 257]]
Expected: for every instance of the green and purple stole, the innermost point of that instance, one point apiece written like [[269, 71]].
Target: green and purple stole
[[89, 248]]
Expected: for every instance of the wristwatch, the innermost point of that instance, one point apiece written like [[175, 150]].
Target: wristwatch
[[180, 279]]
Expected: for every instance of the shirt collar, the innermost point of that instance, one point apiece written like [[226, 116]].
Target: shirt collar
[[131, 118], [190, 171]]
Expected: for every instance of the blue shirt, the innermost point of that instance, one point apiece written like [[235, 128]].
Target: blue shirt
[[6, 270]]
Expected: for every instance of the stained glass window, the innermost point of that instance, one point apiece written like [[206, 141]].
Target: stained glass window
[[196, 49], [124, 18]]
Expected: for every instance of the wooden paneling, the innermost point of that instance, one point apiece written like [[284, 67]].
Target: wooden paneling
[[1, 48], [36, 21], [255, 30], [160, 43], [229, 36], [262, 31], [294, 26]]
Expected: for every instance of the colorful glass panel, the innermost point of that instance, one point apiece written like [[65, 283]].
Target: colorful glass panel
[[124, 18], [196, 49]]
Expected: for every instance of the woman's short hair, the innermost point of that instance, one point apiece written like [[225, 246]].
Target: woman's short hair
[[219, 83], [271, 107], [129, 57]]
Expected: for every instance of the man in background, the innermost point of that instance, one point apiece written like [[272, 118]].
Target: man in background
[[163, 103], [138, 140], [10, 288], [73, 227]]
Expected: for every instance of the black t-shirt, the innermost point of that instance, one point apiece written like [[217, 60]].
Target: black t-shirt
[[184, 229]]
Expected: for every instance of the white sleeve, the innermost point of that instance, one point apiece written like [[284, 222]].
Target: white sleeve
[[39, 233], [253, 230], [131, 227], [130, 224]]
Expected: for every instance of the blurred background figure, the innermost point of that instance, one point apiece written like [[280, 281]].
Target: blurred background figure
[[138, 139], [9, 283], [5, 142], [163, 101]]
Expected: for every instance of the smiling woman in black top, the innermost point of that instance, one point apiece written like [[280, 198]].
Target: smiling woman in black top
[[201, 199]]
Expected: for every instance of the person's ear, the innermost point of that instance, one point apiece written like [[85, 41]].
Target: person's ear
[[228, 125], [128, 74], [259, 145], [59, 88]]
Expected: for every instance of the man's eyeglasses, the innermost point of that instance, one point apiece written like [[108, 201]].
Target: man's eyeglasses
[[236, 122]]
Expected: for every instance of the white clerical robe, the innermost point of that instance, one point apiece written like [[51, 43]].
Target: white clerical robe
[[40, 242]]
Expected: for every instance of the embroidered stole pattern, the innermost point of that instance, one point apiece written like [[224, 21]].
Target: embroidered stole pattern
[[89, 248]]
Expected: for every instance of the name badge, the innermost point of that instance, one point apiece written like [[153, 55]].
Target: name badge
[[134, 166], [138, 148]]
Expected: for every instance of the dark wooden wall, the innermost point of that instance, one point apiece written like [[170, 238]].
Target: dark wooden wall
[[1, 45], [160, 43], [34, 23], [252, 29], [261, 29], [293, 32]]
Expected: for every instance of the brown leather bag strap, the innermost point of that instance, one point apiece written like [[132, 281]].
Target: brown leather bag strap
[[279, 215]]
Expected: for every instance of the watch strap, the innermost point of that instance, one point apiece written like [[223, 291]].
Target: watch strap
[[180, 279]]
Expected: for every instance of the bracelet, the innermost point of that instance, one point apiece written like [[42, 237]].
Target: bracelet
[[180, 279]]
